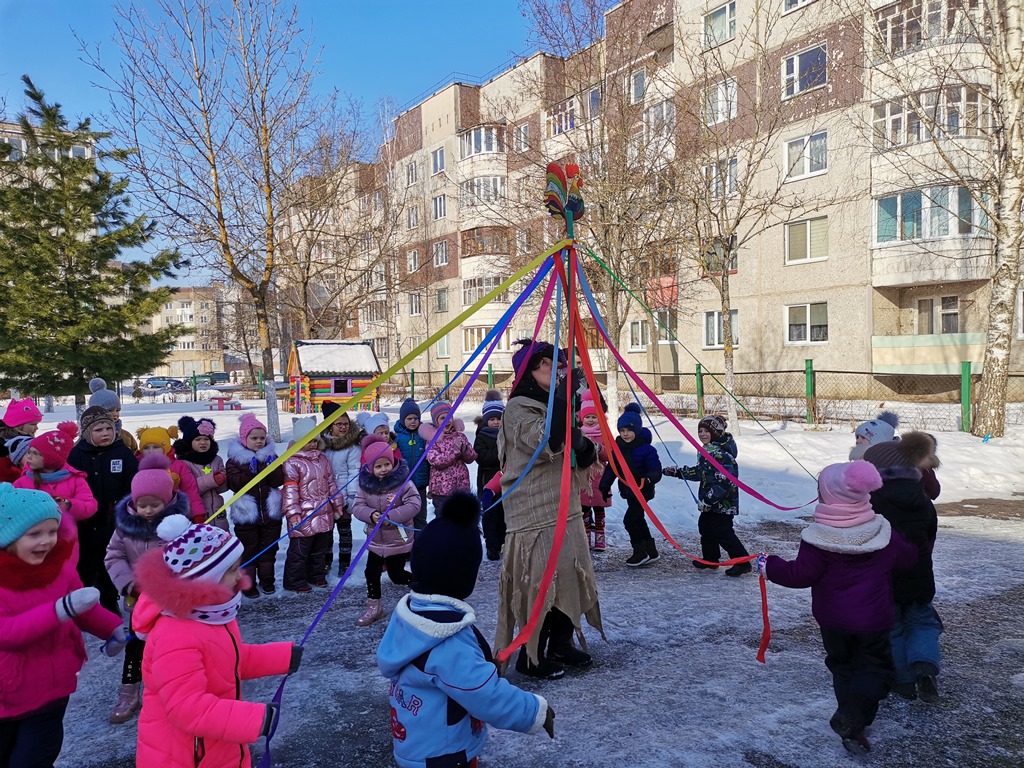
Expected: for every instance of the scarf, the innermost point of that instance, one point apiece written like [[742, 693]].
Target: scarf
[[223, 613], [53, 477], [17, 575], [203, 459], [529, 388]]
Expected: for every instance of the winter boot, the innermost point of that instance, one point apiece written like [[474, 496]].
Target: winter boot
[[926, 687], [371, 614], [560, 648], [252, 592], [857, 744], [652, 551], [639, 556], [739, 569], [598, 541], [702, 566], [906, 690], [127, 703], [542, 670], [344, 560], [590, 538]]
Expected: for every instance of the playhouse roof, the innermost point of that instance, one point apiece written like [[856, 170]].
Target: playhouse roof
[[336, 358]]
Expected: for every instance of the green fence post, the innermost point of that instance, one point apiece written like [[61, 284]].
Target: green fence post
[[412, 383], [965, 396], [700, 392], [195, 388], [809, 389], [447, 379], [490, 376]]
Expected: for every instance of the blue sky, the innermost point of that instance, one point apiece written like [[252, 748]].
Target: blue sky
[[371, 49]]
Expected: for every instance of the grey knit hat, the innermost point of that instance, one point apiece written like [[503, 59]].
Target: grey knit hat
[[102, 396]]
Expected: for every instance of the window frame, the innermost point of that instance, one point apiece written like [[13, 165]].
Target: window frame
[[955, 224], [415, 304], [521, 137], [787, 325], [632, 79], [717, 317], [712, 175], [808, 240], [561, 118], [440, 207], [795, 57], [729, 9], [474, 141], [789, 6], [412, 217], [439, 252], [443, 350], [441, 303], [437, 161], [412, 174], [723, 90], [805, 156], [412, 260], [644, 335], [937, 314]]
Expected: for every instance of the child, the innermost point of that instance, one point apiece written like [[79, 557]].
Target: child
[[718, 498], [903, 502], [445, 686], [256, 515], [642, 461], [109, 468], [846, 557], [412, 446], [448, 457], [47, 470], [16, 448], [879, 430], [380, 482], [487, 466], [152, 499], [192, 707], [309, 487], [104, 398], [158, 440], [43, 610], [594, 502], [377, 424], [21, 419], [198, 451], [341, 446]]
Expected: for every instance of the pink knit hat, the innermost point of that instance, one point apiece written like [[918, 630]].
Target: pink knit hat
[[154, 478], [247, 424], [197, 551], [375, 447], [587, 406], [844, 491], [21, 412], [55, 446]]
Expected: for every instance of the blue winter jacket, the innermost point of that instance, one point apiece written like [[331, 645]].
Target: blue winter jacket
[[641, 459], [444, 686], [716, 492], [412, 446]]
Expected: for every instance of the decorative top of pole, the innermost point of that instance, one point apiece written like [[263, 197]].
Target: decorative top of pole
[[564, 192]]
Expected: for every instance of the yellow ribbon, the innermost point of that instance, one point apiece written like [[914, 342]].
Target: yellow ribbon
[[365, 393]]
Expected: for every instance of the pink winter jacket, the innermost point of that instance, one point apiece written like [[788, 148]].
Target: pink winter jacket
[[308, 483], [187, 485], [75, 489], [192, 674], [209, 489], [41, 656], [448, 458], [374, 495], [590, 494]]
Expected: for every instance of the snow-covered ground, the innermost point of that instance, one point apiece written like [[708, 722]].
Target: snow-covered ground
[[677, 683]]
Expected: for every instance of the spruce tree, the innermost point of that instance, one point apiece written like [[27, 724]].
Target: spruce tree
[[73, 303]]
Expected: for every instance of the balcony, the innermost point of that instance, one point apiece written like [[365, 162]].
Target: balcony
[[928, 262], [934, 354]]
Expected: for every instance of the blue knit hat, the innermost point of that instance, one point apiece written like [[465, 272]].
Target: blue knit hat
[[630, 419], [17, 447], [102, 396], [21, 509], [493, 405], [409, 408]]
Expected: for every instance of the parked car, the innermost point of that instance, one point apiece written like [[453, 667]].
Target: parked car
[[215, 377], [160, 382]]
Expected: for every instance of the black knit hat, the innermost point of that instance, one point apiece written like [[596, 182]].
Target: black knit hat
[[327, 407], [446, 554], [714, 424], [190, 429]]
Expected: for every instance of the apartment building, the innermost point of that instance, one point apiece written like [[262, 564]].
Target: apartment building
[[794, 127], [200, 347]]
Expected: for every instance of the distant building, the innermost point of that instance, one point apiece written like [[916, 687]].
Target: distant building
[[200, 348]]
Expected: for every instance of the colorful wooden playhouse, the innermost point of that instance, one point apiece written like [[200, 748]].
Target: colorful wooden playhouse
[[331, 370]]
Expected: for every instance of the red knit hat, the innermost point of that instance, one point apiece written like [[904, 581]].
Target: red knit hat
[[55, 446]]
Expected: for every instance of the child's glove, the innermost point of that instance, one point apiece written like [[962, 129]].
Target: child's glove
[[670, 471], [293, 665], [199, 519], [762, 563], [486, 498], [270, 718], [115, 643], [549, 722], [220, 478], [77, 602]]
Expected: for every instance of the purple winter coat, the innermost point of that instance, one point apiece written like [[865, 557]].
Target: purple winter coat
[[590, 494], [448, 458], [374, 495], [308, 483], [848, 571]]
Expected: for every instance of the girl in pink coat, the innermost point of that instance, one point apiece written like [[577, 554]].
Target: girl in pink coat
[[592, 500], [198, 450], [158, 440], [46, 469], [449, 457], [380, 482], [193, 715], [309, 489], [43, 610]]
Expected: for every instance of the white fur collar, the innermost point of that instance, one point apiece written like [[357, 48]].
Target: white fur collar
[[242, 455], [431, 628], [866, 537]]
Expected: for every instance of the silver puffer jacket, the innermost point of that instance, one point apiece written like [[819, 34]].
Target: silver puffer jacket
[[308, 483]]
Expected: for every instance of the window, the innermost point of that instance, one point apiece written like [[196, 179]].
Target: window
[[204, 305], [807, 323], [412, 174], [714, 330], [522, 242], [792, 5], [807, 156], [440, 249], [474, 336], [350, 320], [440, 207], [437, 161], [412, 217], [380, 346], [905, 25], [442, 345], [415, 305], [720, 25], [412, 260], [636, 84], [203, 319], [804, 71], [561, 118], [17, 148], [482, 140], [720, 102], [442, 300], [807, 240], [639, 335], [938, 315], [484, 240], [482, 189], [721, 178], [169, 305], [660, 120], [521, 137], [375, 312], [667, 323], [594, 102], [476, 288], [959, 111], [929, 213]]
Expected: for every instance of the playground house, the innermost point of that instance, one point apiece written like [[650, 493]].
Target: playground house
[[331, 370]]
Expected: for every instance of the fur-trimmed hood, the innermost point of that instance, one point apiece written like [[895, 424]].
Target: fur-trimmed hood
[[341, 443], [162, 590], [871, 536], [393, 480], [237, 452], [419, 633], [131, 526]]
